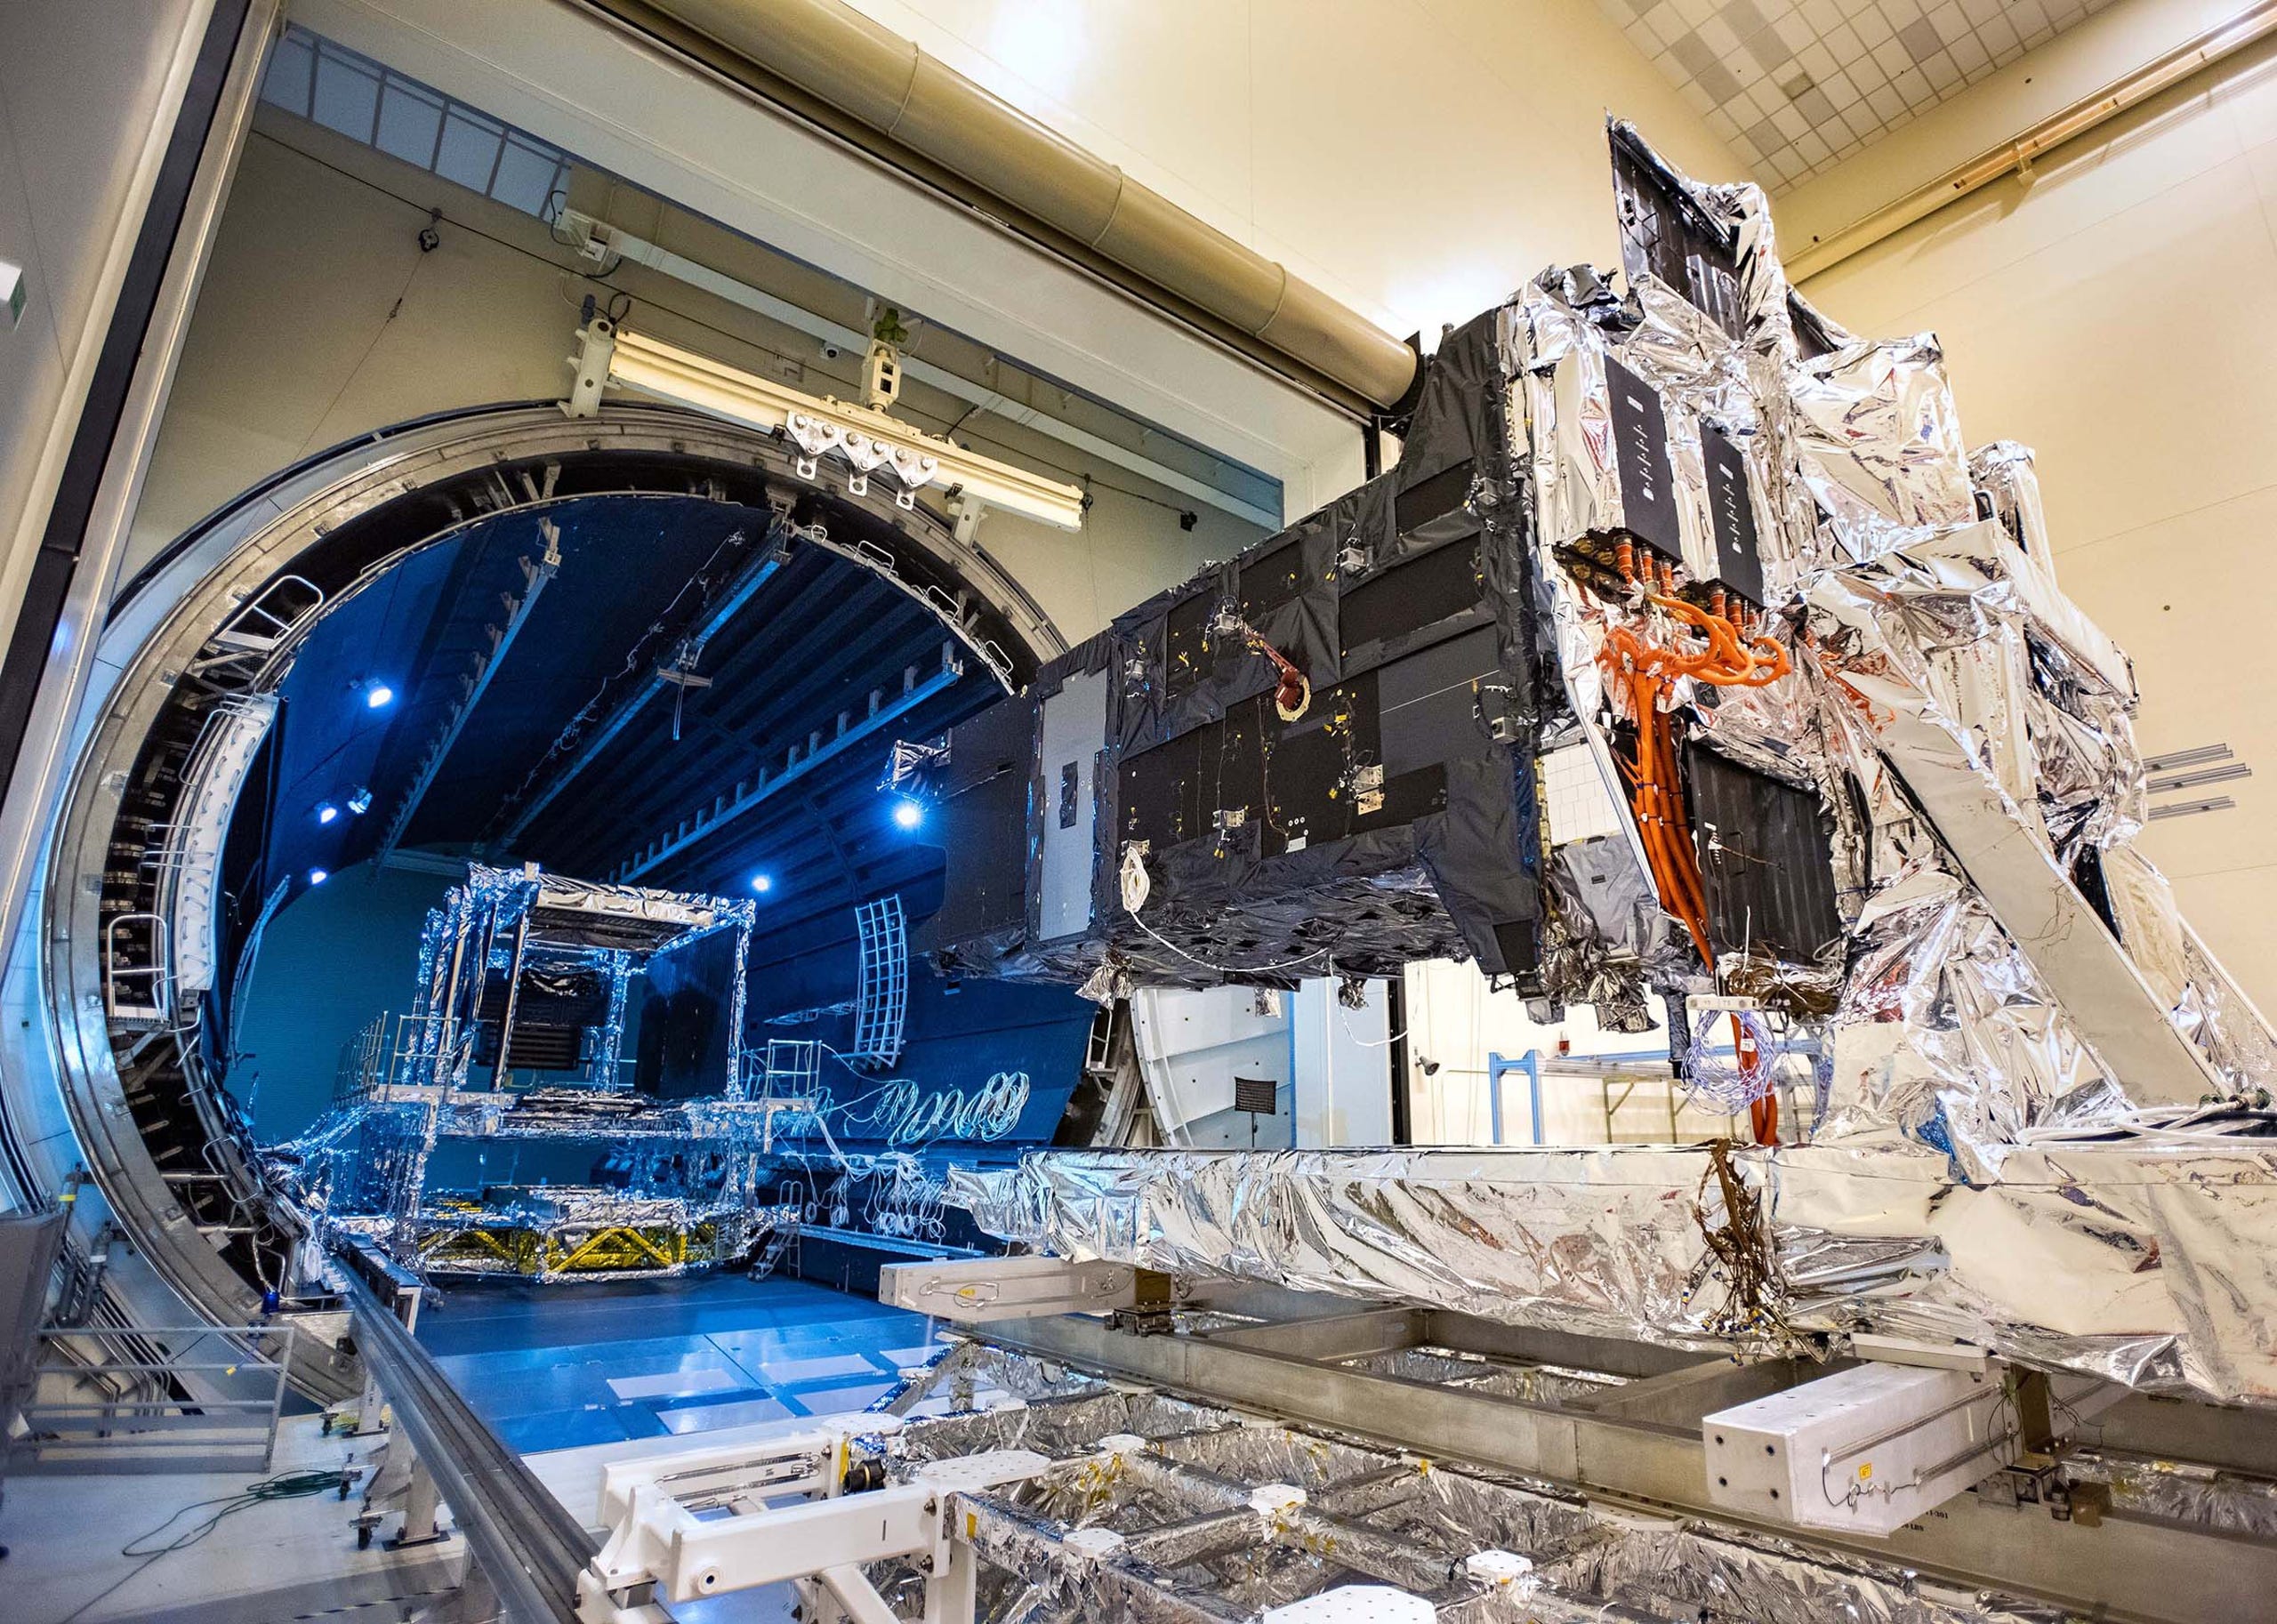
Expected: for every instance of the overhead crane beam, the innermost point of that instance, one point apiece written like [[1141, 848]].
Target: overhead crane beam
[[477, 682], [749, 796], [559, 778]]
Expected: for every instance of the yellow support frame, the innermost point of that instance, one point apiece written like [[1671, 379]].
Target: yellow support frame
[[539, 1254]]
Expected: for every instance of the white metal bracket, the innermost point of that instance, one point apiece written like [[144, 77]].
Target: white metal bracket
[[976, 1291], [589, 367], [705, 1522]]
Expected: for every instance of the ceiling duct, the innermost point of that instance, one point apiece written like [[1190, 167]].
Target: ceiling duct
[[827, 51]]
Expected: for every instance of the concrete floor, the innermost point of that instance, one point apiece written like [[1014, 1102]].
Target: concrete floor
[[561, 1373], [274, 1561]]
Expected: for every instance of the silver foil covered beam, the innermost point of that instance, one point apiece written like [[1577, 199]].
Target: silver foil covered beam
[[2148, 1259]]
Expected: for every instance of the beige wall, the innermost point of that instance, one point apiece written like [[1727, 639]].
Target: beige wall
[[321, 319], [1418, 159], [2120, 315], [1454, 1023], [87, 97]]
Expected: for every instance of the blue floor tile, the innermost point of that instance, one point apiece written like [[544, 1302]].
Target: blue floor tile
[[843, 1399], [537, 1362], [711, 1418], [561, 1429]]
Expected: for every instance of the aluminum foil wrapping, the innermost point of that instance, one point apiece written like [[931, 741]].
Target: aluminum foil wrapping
[[2147, 1259], [2003, 714], [1603, 1242], [1448, 1368], [1227, 1517], [1964, 671], [1679, 1572], [1565, 335], [565, 1233], [1878, 442], [1606, 934], [1946, 1034], [1965, 726], [968, 1376], [2088, 790], [2218, 1016], [2179, 1491], [678, 917], [2004, 471]]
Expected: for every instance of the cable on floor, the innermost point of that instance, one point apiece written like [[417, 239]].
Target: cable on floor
[[284, 1486]]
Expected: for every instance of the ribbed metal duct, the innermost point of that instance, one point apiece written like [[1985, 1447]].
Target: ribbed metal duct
[[833, 54]]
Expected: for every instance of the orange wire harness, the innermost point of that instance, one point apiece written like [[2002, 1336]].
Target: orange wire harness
[[1292, 691], [1644, 673]]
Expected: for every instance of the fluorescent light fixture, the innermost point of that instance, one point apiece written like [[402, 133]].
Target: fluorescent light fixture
[[2196, 756], [327, 812], [763, 883], [317, 876], [2204, 776], [864, 440], [909, 814], [2185, 808]]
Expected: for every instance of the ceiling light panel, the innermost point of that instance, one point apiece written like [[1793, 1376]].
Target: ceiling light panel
[[1796, 88]]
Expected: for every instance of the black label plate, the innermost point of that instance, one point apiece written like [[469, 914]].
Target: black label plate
[[1738, 556], [1640, 450]]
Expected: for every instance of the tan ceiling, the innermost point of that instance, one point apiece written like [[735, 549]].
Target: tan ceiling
[[1798, 87]]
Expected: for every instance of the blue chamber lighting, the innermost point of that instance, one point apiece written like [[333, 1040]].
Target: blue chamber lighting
[[763, 883], [908, 814], [327, 812], [317, 876], [378, 694]]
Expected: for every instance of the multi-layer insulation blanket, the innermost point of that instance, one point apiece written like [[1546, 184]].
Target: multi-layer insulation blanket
[[1719, 670]]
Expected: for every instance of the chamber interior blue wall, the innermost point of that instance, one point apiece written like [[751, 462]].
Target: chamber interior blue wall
[[334, 957], [957, 1036], [346, 950]]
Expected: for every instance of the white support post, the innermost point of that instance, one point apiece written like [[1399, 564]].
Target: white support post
[[421, 1502], [857, 1596], [1341, 1065], [953, 1596]]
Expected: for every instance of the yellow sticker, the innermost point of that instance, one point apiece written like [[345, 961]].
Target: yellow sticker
[[1865, 1470]]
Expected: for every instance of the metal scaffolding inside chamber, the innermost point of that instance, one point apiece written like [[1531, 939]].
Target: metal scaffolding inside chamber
[[517, 1035]]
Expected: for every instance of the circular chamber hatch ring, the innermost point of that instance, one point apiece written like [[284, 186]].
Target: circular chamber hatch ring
[[221, 612]]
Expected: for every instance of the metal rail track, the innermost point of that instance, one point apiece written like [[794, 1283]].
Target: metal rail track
[[524, 1541], [2130, 1569]]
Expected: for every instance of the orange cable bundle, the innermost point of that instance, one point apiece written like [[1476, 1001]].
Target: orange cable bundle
[[1645, 672], [1293, 690]]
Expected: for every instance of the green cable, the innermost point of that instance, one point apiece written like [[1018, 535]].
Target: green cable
[[284, 1486]]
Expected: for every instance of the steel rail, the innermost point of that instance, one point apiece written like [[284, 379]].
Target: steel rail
[[525, 1543], [2125, 1568]]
